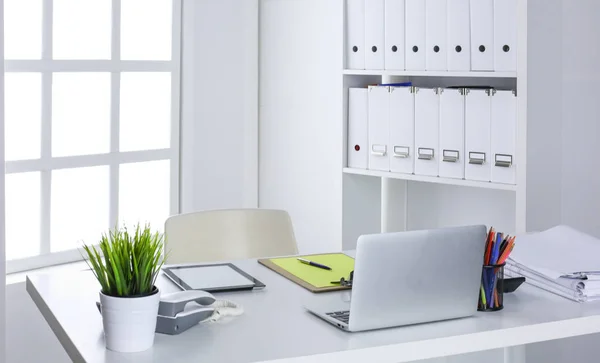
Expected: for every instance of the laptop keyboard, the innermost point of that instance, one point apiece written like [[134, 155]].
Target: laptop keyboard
[[343, 316]]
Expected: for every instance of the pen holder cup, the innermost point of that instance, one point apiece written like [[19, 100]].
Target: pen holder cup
[[491, 290]]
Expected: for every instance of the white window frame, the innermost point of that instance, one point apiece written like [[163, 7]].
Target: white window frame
[[47, 66]]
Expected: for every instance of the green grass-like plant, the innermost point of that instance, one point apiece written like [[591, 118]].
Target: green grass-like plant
[[127, 264]]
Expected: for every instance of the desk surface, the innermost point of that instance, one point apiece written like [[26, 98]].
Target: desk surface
[[275, 326]]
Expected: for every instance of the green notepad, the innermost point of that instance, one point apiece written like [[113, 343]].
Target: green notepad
[[341, 266]]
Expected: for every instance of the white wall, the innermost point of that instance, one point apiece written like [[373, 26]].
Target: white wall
[[581, 116], [563, 173], [300, 144], [544, 114], [2, 230], [219, 104]]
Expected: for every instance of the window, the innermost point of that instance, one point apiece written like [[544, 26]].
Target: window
[[92, 122]]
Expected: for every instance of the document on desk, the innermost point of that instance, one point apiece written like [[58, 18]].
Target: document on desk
[[560, 251], [310, 277], [572, 294], [560, 260]]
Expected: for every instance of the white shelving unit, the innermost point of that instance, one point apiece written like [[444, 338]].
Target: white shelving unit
[[386, 73], [375, 201], [431, 179]]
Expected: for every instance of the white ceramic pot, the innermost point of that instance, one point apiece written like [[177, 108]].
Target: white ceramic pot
[[129, 322]]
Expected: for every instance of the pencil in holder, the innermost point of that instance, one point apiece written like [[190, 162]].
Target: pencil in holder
[[491, 290]]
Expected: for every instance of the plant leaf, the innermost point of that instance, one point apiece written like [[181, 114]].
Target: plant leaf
[[127, 264]]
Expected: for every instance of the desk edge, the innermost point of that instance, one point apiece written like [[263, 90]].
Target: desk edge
[[52, 321]]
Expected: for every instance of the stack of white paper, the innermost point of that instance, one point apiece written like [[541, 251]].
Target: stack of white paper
[[561, 260]]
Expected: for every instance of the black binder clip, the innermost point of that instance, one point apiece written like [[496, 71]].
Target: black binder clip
[[344, 282]]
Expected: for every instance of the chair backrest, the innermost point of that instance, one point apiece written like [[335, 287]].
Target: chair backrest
[[218, 235]]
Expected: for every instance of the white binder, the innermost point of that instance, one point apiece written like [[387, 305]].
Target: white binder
[[379, 128], [394, 34], [452, 134], [436, 51], [415, 35], [505, 35], [355, 34], [478, 109], [459, 35], [358, 128], [374, 34], [503, 136], [482, 35], [427, 122], [402, 129]]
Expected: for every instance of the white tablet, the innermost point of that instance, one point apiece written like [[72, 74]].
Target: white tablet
[[212, 278]]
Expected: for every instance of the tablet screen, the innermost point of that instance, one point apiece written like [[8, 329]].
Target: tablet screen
[[211, 277]]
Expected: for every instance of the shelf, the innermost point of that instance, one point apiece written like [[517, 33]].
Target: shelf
[[361, 72], [431, 179]]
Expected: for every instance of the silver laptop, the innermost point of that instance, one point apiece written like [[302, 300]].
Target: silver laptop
[[411, 277]]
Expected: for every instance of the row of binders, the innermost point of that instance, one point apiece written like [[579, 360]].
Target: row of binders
[[462, 133], [439, 35]]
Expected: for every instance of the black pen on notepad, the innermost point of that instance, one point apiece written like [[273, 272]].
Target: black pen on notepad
[[307, 262]]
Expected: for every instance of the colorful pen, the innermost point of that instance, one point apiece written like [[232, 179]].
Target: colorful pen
[[488, 247], [483, 299]]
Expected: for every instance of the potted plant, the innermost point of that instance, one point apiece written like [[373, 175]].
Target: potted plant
[[126, 266]]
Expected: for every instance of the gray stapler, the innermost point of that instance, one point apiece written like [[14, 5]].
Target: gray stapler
[[179, 311]]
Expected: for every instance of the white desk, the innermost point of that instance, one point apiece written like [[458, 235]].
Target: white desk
[[275, 327]]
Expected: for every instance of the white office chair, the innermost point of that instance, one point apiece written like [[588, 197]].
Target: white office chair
[[218, 235]]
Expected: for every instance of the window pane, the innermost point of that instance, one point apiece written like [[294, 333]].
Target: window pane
[[79, 211], [145, 111], [22, 215], [23, 29], [144, 193], [146, 28], [23, 99], [82, 29], [80, 113]]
